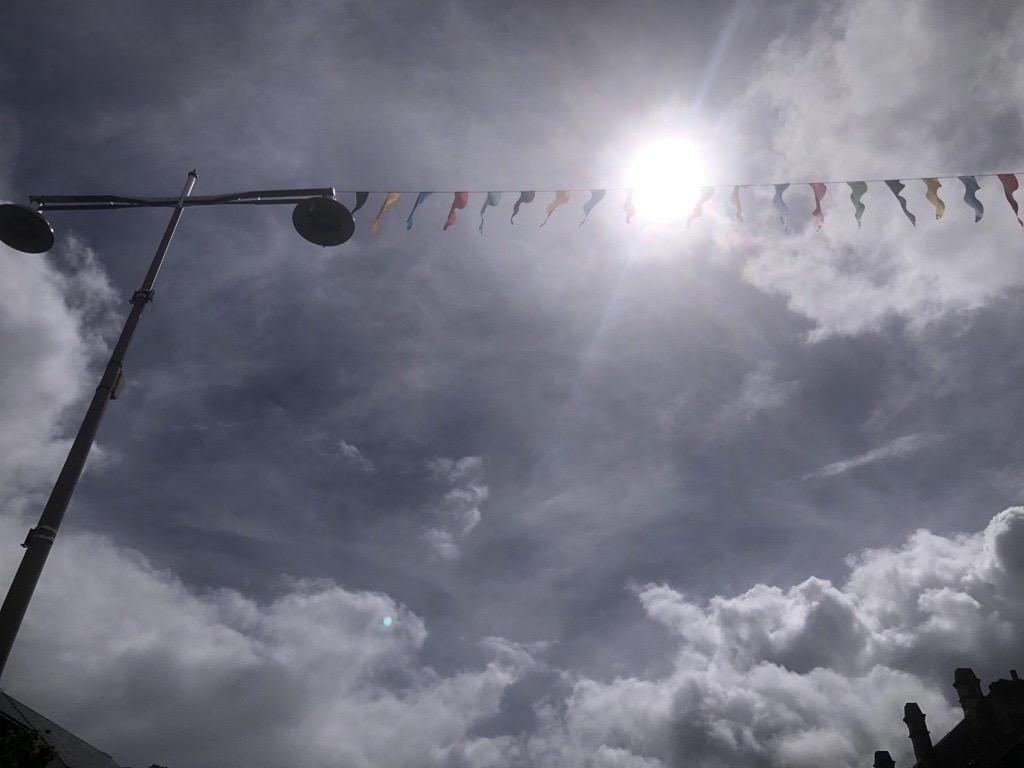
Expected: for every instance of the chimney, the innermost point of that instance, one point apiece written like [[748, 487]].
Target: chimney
[[968, 690], [1013, 674], [883, 760], [923, 750]]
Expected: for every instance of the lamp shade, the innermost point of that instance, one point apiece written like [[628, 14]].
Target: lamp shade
[[323, 221], [25, 229]]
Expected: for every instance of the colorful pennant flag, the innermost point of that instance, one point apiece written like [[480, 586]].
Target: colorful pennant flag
[[705, 195], [419, 199], [596, 196], [361, 198], [459, 202], [932, 196], [896, 187], [561, 198], [389, 200], [1010, 185], [735, 198], [819, 190], [524, 197], [780, 205], [857, 190], [492, 199], [971, 196], [628, 206]]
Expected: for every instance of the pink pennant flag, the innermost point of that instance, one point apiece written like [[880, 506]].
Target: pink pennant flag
[[460, 201], [705, 195], [1010, 185], [628, 206], [819, 192]]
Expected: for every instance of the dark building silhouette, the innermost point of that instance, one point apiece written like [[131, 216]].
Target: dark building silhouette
[[71, 751], [991, 735]]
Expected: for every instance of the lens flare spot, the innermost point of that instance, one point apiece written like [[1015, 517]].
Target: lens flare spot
[[387, 621]]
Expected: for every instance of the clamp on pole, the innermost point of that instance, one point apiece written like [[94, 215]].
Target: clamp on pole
[[44, 532]]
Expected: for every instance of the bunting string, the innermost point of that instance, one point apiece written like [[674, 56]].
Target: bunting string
[[492, 198]]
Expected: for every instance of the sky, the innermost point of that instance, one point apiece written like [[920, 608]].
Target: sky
[[618, 496]]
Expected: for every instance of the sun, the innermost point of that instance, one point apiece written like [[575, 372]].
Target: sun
[[666, 176]]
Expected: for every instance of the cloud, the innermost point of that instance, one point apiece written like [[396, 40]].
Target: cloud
[[897, 448], [205, 679], [459, 511], [355, 457], [54, 315], [814, 674], [759, 392], [866, 94]]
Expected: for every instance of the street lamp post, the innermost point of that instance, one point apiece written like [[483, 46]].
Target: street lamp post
[[318, 217]]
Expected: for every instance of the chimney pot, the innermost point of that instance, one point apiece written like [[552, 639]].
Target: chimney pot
[[1013, 674]]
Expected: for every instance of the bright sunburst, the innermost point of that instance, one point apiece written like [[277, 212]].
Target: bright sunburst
[[666, 176]]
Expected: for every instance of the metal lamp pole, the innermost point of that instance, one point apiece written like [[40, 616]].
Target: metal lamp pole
[[318, 217]]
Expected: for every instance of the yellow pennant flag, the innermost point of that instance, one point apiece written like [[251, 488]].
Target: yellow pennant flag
[[932, 196], [561, 198], [390, 200]]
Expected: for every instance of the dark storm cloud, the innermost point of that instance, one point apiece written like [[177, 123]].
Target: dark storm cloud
[[506, 434]]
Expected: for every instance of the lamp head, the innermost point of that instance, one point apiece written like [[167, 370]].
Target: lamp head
[[323, 221], [25, 229]]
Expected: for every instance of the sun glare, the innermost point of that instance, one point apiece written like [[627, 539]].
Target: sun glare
[[666, 177]]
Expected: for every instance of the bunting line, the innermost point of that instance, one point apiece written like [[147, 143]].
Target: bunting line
[[1009, 182]]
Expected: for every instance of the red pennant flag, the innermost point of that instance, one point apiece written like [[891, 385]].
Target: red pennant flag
[[819, 192], [1010, 185], [460, 201]]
